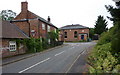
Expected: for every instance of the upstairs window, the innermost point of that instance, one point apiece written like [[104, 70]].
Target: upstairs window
[[75, 34], [83, 30], [43, 26], [48, 28], [65, 34]]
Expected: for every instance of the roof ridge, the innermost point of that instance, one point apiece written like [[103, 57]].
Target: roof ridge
[[76, 26], [42, 19]]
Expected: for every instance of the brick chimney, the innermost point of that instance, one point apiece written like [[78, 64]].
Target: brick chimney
[[24, 6], [48, 19]]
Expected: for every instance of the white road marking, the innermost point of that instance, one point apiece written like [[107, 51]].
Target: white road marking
[[73, 63], [59, 53], [83, 52], [33, 65]]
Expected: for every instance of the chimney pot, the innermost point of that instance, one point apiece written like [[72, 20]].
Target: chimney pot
[[48, 18]]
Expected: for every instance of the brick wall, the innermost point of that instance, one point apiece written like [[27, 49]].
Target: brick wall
[[24, 26], [34, 26], [6, 52], [70, 34], [34, 23]]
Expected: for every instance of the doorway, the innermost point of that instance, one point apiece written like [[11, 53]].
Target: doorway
[[82, 37]]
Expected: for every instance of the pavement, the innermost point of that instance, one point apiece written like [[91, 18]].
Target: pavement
[[70, 58]]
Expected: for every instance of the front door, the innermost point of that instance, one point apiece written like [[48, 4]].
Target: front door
[[82, 37]]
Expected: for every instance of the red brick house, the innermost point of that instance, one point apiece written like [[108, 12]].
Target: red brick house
[[31, 23], [25, 25], [10, 33], [73, 33]]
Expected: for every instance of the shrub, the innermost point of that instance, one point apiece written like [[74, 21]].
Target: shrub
[[83, 41], [45, 44], [116, 40], [106, 37], [53, 36], [33, 45], [102, 61], [38, 45]]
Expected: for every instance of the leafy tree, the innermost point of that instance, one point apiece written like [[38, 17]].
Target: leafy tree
[[7, 15], [53, 36], [101, 25], [115, 13], [91, 33]]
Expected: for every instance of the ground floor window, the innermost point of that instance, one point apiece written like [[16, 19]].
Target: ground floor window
[[65, 34], [12, 46], [75, 34]]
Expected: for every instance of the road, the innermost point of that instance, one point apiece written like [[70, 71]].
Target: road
[[58, 60]]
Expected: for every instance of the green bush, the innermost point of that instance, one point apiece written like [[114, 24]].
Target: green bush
[[83, 41], [38, 45], [106, 37], [33, 45], [116, 39], [102, 61], [53, 36], [45, 44]]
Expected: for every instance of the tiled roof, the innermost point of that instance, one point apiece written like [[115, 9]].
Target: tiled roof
[[42, 19], [36, 17], [76, 26], [11, 31]]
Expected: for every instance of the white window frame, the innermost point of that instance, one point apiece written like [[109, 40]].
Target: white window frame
[[48, 28], [83, 30], [12, 46], [43, 26]]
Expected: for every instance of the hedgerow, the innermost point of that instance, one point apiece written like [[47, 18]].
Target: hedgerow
[[102, 61]]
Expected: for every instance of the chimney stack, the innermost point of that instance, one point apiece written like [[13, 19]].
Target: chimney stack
[[48, 18], [24, 6]]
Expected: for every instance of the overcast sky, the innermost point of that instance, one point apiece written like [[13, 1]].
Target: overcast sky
[[63, 12]]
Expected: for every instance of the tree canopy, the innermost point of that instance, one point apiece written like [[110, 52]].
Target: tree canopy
[[115, 13], [91, 33], [7, 15], [101, 25]]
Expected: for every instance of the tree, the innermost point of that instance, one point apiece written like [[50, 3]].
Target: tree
[[7, 15], [115, 13], [53, 36], [91, 33], [101, 25]]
